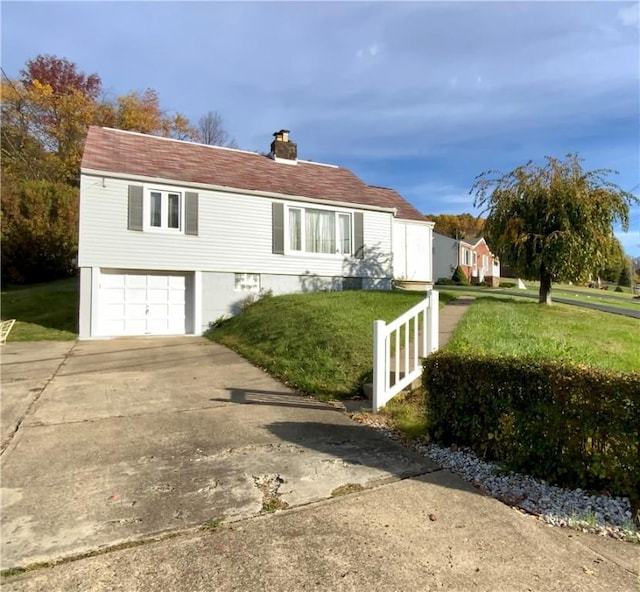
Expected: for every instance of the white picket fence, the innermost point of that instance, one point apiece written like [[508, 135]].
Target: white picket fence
[[400, 346]]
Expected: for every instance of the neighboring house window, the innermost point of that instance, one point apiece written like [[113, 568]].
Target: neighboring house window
[[314, 230], [247, 282], [485, 262], [474, 255], [466, 257], [164, 210]]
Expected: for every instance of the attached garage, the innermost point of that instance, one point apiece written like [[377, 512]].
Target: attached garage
[[142, 303]]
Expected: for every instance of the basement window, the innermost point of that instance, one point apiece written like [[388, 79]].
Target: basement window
[[247, 282]]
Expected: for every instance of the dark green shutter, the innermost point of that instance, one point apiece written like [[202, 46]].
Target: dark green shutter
[[358, 235], [191, 213], [135, 207], [277, 223]]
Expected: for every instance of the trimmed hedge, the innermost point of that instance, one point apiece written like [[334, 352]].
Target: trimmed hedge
[[576, 426]]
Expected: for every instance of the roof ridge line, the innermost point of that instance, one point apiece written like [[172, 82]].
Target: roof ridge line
[[189, 142]]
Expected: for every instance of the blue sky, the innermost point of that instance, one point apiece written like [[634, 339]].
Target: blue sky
[[418, 96]]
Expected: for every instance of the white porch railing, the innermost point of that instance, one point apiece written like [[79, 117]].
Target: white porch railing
[[414, 336]]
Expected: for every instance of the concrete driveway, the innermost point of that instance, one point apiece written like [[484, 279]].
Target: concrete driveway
[[129, 452], [113, 441]]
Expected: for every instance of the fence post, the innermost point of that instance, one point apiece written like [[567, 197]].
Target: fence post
[[379, 363], [433, 328]]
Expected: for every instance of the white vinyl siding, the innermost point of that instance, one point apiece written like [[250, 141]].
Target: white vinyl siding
[[234, 233], [412, 247]]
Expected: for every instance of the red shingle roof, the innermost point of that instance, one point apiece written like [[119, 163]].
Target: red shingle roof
[[123, 152]]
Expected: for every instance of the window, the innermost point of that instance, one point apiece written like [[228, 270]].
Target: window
[[474, 256], [247, 282], [466, 257], [164, 210], [314, 230]]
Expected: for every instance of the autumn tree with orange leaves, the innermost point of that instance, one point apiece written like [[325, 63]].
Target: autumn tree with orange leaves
[[46, 113]]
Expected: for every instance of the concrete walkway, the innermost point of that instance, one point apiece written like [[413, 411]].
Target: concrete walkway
[[450, 316]]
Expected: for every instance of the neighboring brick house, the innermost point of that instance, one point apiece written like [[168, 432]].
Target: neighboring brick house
[[473, 256]]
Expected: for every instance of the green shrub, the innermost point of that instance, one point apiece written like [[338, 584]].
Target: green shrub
[[625, 276], [445, 282], [573, 425], [459, 277], [618, 289]]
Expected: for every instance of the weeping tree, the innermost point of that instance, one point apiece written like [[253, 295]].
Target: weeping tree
[[552, 223]]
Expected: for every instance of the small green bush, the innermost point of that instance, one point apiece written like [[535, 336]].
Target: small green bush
[[618, 289], [445, 282], [572, 425], [459, 277]]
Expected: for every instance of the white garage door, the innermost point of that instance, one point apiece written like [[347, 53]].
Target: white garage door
[[143, 303]]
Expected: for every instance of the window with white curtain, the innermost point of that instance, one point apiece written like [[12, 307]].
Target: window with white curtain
[[314, 230]]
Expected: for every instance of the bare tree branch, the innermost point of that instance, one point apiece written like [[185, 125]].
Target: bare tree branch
[[212, 132]]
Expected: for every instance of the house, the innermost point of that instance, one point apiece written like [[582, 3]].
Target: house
[[473, 256], [174, 235]]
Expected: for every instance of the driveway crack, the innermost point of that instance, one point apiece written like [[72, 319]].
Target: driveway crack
[[63, 363]]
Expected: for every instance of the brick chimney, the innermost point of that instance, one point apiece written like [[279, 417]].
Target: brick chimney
[[283, 149]]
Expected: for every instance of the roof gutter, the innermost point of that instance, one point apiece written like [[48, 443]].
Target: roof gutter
[[225, 189]]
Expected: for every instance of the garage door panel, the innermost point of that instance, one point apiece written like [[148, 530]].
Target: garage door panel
[[155, 296], [137, 295], [141, 304], [157, 282], [113, 311], [158, 311], [176, 311], [113, 295], [176, 297], [136, 311], [176, 282], [137, 281], [117, 326], [112, 280], [135, 327]]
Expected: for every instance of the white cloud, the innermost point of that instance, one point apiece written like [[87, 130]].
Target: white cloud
[[630, 15], [371, 51], [416, 85]]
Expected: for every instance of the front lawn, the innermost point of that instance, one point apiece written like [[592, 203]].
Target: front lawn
[[523, 327], [43, 312], [319, 342]]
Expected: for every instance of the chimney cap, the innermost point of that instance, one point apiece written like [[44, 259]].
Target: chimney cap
[[281, 132]]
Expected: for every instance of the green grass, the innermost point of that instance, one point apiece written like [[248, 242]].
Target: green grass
[[319, 342], [574, 293], [43, 312], [522, 327]]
